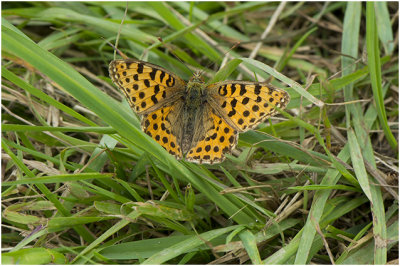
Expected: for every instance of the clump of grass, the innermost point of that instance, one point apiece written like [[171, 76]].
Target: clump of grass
[[317, 184]]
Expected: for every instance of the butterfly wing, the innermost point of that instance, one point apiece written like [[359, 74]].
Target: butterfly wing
[[146, 86], [243, 105], [212, 139], [164, 126], [154, 93]]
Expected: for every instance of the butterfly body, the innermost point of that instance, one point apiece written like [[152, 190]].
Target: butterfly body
[[193, 120], [193, 106]]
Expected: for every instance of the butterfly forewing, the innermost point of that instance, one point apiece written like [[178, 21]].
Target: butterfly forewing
[[244, 105], [146, 86]]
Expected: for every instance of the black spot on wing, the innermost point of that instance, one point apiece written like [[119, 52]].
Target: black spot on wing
[[140, 68]]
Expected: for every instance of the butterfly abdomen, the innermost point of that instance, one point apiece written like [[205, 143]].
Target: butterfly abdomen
[[194, 101]]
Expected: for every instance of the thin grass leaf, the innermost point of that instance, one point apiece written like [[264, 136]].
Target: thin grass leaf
[[358, 163], [102, 26], [363, 255], [319, 201], [186, 245], [61, 223], [27, 128], [320, 187], [217, 25], [295, 47], [142, 249], [385, 28], [349, 47], [379, 229], [375, 73], [164, 11], [56, 179], [34, 256], [250, 244], [114, 229]]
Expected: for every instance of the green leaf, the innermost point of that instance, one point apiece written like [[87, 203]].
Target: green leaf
[[374, 63], [32, 256]]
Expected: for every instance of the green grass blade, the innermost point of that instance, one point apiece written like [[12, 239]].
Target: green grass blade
[[33, 256], [114, 229], [349, 47], [385, 28], [22, 128], [358, 163], [165, 12], [375, 73], [317, 208], [56, 179], [185, 246], [250, 244], [362, 256]]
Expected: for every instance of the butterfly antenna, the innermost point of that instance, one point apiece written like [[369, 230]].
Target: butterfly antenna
[[124, 56], [209, 65], [172, 52], [119, 33]]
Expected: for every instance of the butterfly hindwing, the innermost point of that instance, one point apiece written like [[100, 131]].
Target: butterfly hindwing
[[146, 86], [215, 139], [159, 125], [246, 104]]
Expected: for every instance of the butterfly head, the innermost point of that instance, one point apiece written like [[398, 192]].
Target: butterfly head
[[195, 86], [197, 78]]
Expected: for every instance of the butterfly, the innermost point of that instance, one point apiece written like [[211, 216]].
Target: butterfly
[[193, 119]]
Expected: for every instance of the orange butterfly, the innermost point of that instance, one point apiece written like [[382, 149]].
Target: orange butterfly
[[194, 119]]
